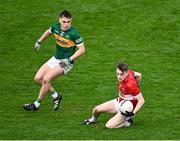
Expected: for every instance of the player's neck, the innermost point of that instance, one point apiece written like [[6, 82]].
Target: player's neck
[[65, 29]]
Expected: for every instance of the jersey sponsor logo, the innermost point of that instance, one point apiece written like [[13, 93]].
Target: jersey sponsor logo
[[63, 42], [62, 34]]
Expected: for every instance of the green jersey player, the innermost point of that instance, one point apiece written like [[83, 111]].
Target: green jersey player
[[69, 47]]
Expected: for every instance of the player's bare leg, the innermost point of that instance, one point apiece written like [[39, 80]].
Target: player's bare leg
[[46, 83], [41, 72], [40, 75], [116, 121], [50, 75], [102, 108], [39, 79]]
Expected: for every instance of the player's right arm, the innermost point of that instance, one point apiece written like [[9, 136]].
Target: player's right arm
[[45, 35]]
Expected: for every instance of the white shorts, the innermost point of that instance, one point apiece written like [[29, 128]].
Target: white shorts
[[53, 62]]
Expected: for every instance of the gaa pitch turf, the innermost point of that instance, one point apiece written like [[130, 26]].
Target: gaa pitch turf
[[143, 33]]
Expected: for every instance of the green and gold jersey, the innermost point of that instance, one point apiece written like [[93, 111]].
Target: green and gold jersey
[[66, 41]]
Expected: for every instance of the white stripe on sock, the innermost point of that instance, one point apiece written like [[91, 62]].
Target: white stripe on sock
[[55, 95], [37, 104]]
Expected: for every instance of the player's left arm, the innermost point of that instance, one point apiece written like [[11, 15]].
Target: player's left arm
[[140, 102], [80, 51], [138, 77]]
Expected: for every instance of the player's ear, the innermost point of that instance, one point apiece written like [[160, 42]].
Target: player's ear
[[125, 72]]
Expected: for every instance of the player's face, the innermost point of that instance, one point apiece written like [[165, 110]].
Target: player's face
[[120, 75], [65, 23]]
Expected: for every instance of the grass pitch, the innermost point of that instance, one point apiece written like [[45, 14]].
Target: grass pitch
[[143, 33]]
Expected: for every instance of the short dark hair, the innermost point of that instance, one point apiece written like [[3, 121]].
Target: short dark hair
[[66, 14], [122, 66]]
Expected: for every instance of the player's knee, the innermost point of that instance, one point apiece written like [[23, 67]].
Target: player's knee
[[46, 80], [96, 109], [37, 79], [110, 126]]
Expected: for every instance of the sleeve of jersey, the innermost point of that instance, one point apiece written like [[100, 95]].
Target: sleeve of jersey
[[51, 29], [78, 39]]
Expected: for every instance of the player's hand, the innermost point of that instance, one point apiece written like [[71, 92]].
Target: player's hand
[[65, 62], [128, 114], [37, 45], [69, 61]]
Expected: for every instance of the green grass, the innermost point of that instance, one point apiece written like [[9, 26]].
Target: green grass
[[143, 33]]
